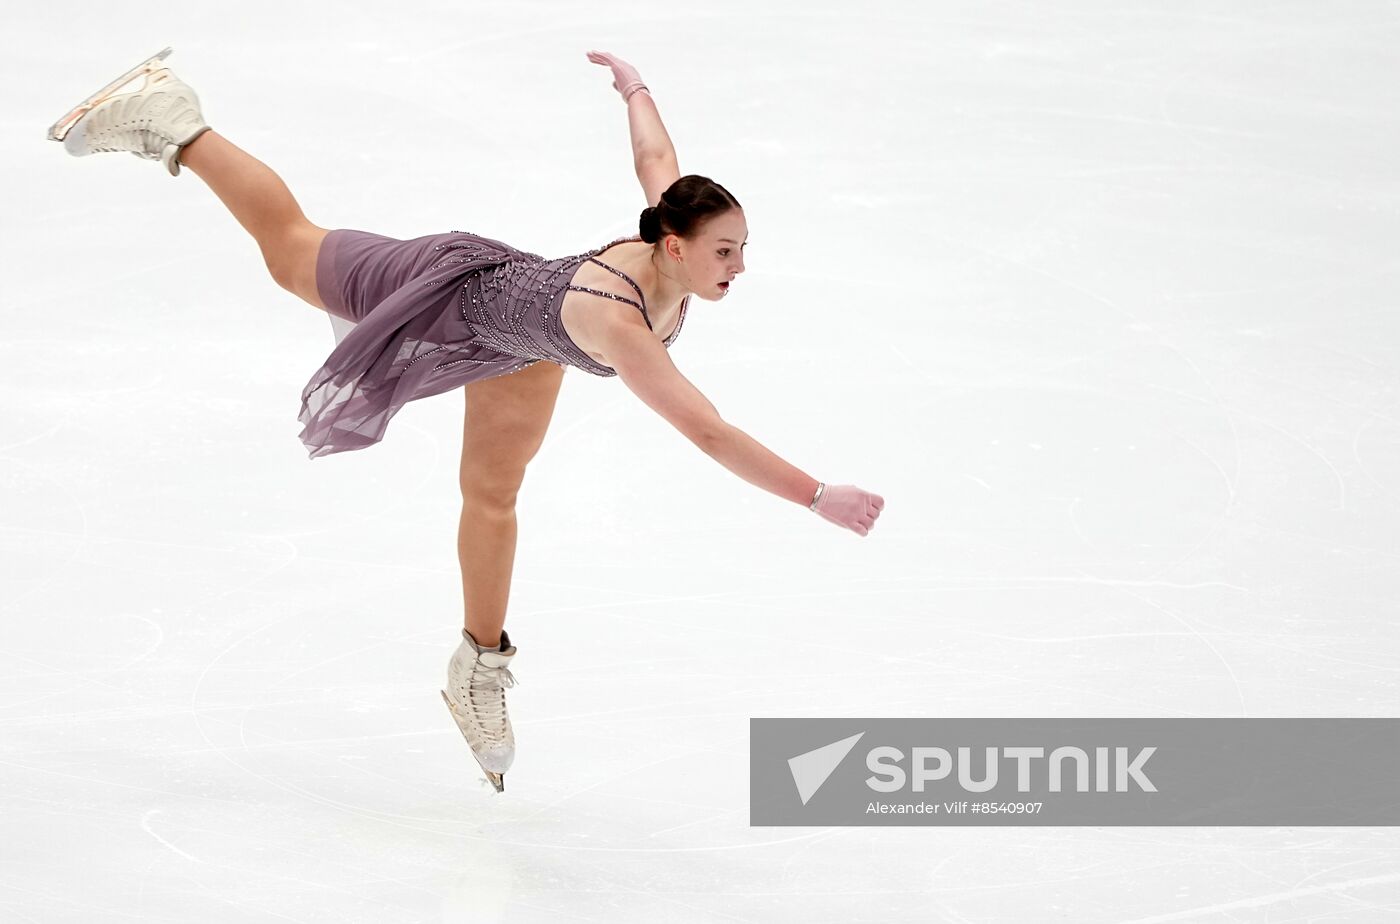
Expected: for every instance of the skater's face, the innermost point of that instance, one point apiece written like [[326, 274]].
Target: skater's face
[[712, 258]]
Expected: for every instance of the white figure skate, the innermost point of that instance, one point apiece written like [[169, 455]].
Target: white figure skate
[[476, 682], [153, 122]]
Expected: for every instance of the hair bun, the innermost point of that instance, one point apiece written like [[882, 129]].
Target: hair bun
[[649, 225]]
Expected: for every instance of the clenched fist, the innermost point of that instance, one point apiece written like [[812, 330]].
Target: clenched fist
[[849, 506]]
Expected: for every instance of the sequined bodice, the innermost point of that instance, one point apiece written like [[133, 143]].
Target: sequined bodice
[[513, 306], [433, 314]]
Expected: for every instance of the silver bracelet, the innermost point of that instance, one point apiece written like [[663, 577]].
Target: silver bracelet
[[821, 486], [634, 92]]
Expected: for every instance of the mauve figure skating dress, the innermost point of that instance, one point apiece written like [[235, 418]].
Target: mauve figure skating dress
[[431, 314]]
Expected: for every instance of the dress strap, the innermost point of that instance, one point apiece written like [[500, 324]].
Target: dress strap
[[680, 321], [614, 297], [617, 272], [642, 307]]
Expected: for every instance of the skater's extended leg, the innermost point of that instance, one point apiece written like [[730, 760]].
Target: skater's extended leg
[[150, 112], [265, 207], [506, 422]]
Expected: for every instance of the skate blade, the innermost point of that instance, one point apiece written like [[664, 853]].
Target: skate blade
[[497, 780], [60, 129]]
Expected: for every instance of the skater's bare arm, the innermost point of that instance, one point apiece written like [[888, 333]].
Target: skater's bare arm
[[646, 368], [653, 157], [760, 466]]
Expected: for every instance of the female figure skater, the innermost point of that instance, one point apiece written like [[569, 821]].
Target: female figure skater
[[448, 310]]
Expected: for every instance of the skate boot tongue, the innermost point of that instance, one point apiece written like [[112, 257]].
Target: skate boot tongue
[[492, 657], [505, 645]]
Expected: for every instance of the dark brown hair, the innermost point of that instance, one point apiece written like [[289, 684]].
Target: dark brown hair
[[686, 205]]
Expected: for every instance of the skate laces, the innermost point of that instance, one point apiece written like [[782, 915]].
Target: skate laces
[[486, 695]]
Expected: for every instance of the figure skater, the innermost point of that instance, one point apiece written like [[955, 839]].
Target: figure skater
[[449, 310]]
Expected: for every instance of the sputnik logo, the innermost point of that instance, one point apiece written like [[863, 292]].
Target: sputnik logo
[[812, 769]]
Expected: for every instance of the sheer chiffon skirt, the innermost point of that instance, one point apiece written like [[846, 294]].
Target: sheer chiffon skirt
[[395, 307]]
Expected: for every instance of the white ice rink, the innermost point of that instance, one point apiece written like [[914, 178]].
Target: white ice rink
[[1101, 296]]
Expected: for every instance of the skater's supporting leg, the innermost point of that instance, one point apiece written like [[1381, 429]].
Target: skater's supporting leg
[[506, 422], [265, 207], [486, 552]]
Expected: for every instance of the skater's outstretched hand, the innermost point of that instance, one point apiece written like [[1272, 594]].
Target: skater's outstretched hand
[[626, 80], [847, 505]]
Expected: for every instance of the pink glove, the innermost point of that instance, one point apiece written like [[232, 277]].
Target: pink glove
[[847, 505], [626, 80]]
